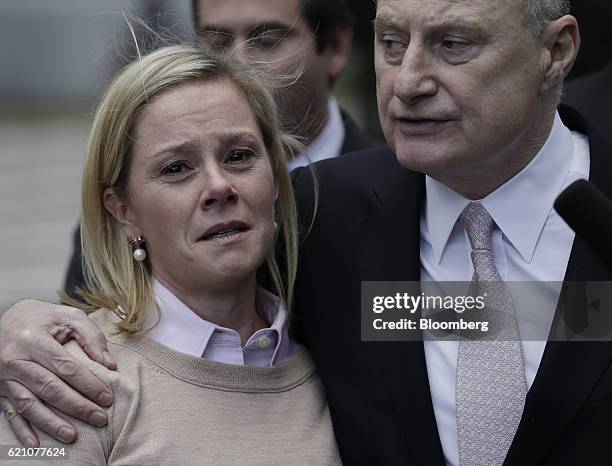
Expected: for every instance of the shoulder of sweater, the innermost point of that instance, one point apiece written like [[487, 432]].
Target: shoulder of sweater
[[106, 321]]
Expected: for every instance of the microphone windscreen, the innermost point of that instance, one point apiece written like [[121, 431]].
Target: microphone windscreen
[[589, 213]]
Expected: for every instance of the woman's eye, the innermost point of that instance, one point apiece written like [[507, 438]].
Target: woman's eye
[[175, 168], [240, 156]]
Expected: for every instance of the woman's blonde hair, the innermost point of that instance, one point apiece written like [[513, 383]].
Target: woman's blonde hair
[[113, 279]]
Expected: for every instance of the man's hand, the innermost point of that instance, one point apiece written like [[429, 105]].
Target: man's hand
[[36, 370]]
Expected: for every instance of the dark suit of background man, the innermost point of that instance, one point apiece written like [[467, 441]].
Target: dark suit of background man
[[592, 95], [467, 95], [589, 86]]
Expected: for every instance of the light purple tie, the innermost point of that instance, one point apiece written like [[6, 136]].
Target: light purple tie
[[491, 386]]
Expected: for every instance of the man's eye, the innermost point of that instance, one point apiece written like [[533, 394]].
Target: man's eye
[[392, 45], [394, 49], [267, 41], [218, 41], [175, 168], [452, 45]]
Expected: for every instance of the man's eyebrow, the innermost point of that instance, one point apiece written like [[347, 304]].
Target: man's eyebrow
[[213, 29], [259, 29], [254, 31], [464, 22], [381, 22], [461, 22]]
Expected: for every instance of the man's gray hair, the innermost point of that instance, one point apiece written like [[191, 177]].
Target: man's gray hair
[[541, 12]]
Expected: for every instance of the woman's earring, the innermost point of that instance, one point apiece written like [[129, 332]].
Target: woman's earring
[[138, 250]]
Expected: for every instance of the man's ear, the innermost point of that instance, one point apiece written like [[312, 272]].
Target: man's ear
[[118, 208], [337, 50], [562, 41]]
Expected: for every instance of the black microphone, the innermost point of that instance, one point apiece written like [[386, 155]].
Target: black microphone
[[589, 213]]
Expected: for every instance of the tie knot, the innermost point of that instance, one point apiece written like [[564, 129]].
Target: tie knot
[[478, 224]]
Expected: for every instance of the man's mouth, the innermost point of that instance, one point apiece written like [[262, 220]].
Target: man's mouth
[[424, 119], [421, 126]]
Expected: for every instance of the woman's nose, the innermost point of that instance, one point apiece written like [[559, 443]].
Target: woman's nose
[[219, 190]]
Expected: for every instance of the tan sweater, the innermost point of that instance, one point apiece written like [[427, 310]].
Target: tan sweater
[[172, 408]]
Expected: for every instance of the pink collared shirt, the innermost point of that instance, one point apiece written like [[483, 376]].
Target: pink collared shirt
[[183, 330]]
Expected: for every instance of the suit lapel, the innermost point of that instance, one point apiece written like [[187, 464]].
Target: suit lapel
[[568, 371], [388, 248]]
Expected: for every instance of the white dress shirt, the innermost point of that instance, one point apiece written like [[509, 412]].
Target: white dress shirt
[[181, 329], [530, 243], [328, 142]]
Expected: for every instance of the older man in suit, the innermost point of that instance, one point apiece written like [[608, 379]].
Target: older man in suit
[[468, 94]]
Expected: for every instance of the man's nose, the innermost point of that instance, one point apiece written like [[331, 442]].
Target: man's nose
[[416, 78], [218, 190]]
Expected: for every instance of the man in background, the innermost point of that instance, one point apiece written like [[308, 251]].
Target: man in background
[[307, 41]]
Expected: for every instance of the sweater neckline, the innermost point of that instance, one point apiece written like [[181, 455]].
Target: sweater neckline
[[229, 377]]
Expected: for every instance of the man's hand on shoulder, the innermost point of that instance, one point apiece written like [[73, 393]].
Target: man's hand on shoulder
[[36, 370]]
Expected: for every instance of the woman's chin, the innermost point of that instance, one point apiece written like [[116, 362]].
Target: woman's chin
[[229, 274]]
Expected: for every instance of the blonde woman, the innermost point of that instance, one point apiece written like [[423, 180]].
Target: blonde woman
[[184, 192]]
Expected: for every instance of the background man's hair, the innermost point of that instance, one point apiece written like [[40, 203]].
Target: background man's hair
[[542, 12], [321, 15], [324, 15]]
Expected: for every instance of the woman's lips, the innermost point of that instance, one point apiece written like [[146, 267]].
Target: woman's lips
[[224, 229], [224, 233], [227, 237]]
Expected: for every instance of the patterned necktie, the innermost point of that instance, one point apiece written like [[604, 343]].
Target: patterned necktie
[[491, 386]]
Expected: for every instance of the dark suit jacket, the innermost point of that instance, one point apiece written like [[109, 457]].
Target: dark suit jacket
[[354, 140], [367, 228]]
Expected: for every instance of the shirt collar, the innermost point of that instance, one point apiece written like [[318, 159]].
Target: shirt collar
[[181, 329], [328, 142], [519, 207]]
